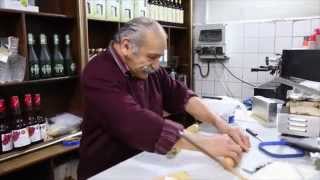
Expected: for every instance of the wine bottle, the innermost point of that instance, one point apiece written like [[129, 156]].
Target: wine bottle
[[45, 60], [20, 134], [69, 64], [5, 131], [34, 70], [31, 120], [57, 63]]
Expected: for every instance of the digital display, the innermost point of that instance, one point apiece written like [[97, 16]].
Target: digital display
[[212, 35]]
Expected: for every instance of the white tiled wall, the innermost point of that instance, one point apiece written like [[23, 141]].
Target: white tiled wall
[[247, 46]]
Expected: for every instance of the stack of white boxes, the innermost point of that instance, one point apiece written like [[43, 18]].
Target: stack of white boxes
[[113, 10], [125, 10], [141, 8]]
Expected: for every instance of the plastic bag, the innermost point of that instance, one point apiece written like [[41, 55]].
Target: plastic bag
[[17, 66], [63, 124]]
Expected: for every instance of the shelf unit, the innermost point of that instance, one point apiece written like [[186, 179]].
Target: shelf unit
[[100, 32], [58, 94], [63, 94], [61, 17]]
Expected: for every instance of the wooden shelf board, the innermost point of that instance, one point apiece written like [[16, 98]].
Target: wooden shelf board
[[34, 157], [101, 20], [39, 81], [173, 25], [43, 14], [164, 24], [49, 15]]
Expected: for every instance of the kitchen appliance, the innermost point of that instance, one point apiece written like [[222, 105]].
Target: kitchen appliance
[[265, 109], [209, 41]]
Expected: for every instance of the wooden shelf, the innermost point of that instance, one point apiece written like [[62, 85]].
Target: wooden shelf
[[50, 15], [12, 11], [173, 25], [164, 24], [34, 157], [101, 20], [56, 79]]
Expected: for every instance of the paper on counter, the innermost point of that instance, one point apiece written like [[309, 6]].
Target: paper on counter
[[289, 171]]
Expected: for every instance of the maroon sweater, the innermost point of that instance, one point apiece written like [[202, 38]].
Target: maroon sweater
[[123, 115]]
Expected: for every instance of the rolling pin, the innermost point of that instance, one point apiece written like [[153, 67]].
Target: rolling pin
[[226, 162]]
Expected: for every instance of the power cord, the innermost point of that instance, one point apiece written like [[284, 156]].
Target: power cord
[[208, 70], [224, 66], [225, 87]]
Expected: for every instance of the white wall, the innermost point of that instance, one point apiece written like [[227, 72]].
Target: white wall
[[248, 43], [239, 10], [199, 11]]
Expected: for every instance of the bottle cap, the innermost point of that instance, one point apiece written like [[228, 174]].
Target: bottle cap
[[37, 99], [67, 39], [30, 39], [43, 39], [15, 102], [312, 37], [55, 39], [28, 100]]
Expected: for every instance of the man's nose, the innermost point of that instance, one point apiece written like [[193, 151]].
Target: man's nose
[[155, 65]]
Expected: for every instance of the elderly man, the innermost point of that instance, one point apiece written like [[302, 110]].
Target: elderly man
[[126, 92]]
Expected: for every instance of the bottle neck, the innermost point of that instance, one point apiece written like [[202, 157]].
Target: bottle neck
[[2, 117], [16, 111]]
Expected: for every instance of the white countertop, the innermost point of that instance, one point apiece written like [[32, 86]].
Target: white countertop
[[147, 166]]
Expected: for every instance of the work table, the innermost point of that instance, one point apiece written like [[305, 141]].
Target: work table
[[150, 165]]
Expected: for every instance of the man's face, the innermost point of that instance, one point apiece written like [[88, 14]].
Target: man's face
[[146, 60]]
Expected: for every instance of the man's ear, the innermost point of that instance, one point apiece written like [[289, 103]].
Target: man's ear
[[125, 46]]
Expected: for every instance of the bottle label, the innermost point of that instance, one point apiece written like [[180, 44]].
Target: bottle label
[[58, 68], [34, 133], [43, 131], [6, 140], [20, 137], [35, 70], [46, 69]]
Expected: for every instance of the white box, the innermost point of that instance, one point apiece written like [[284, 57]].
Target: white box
[[18, 5], [90, 8], [141, 8], [100, 9], [126, 10], [152, 9], [113, 10]]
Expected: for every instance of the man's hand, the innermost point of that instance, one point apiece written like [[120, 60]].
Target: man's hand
[[239, 137], [200, 112], [219, 145]]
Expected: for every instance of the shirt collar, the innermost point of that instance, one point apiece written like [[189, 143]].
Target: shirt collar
[[122, 66]]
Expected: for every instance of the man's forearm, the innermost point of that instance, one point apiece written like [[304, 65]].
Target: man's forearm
[[199, 111]]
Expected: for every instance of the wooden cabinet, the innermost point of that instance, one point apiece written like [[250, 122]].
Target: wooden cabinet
[[58, 94], [63, 94]]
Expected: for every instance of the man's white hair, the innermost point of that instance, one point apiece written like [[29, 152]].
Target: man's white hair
[[136, 29]]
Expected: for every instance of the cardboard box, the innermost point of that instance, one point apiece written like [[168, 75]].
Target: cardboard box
[[141, 8], [90, 8], [100, 9], [113, 10], [126, 10]]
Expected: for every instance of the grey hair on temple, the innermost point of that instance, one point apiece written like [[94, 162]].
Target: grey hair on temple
[[135, 30]]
